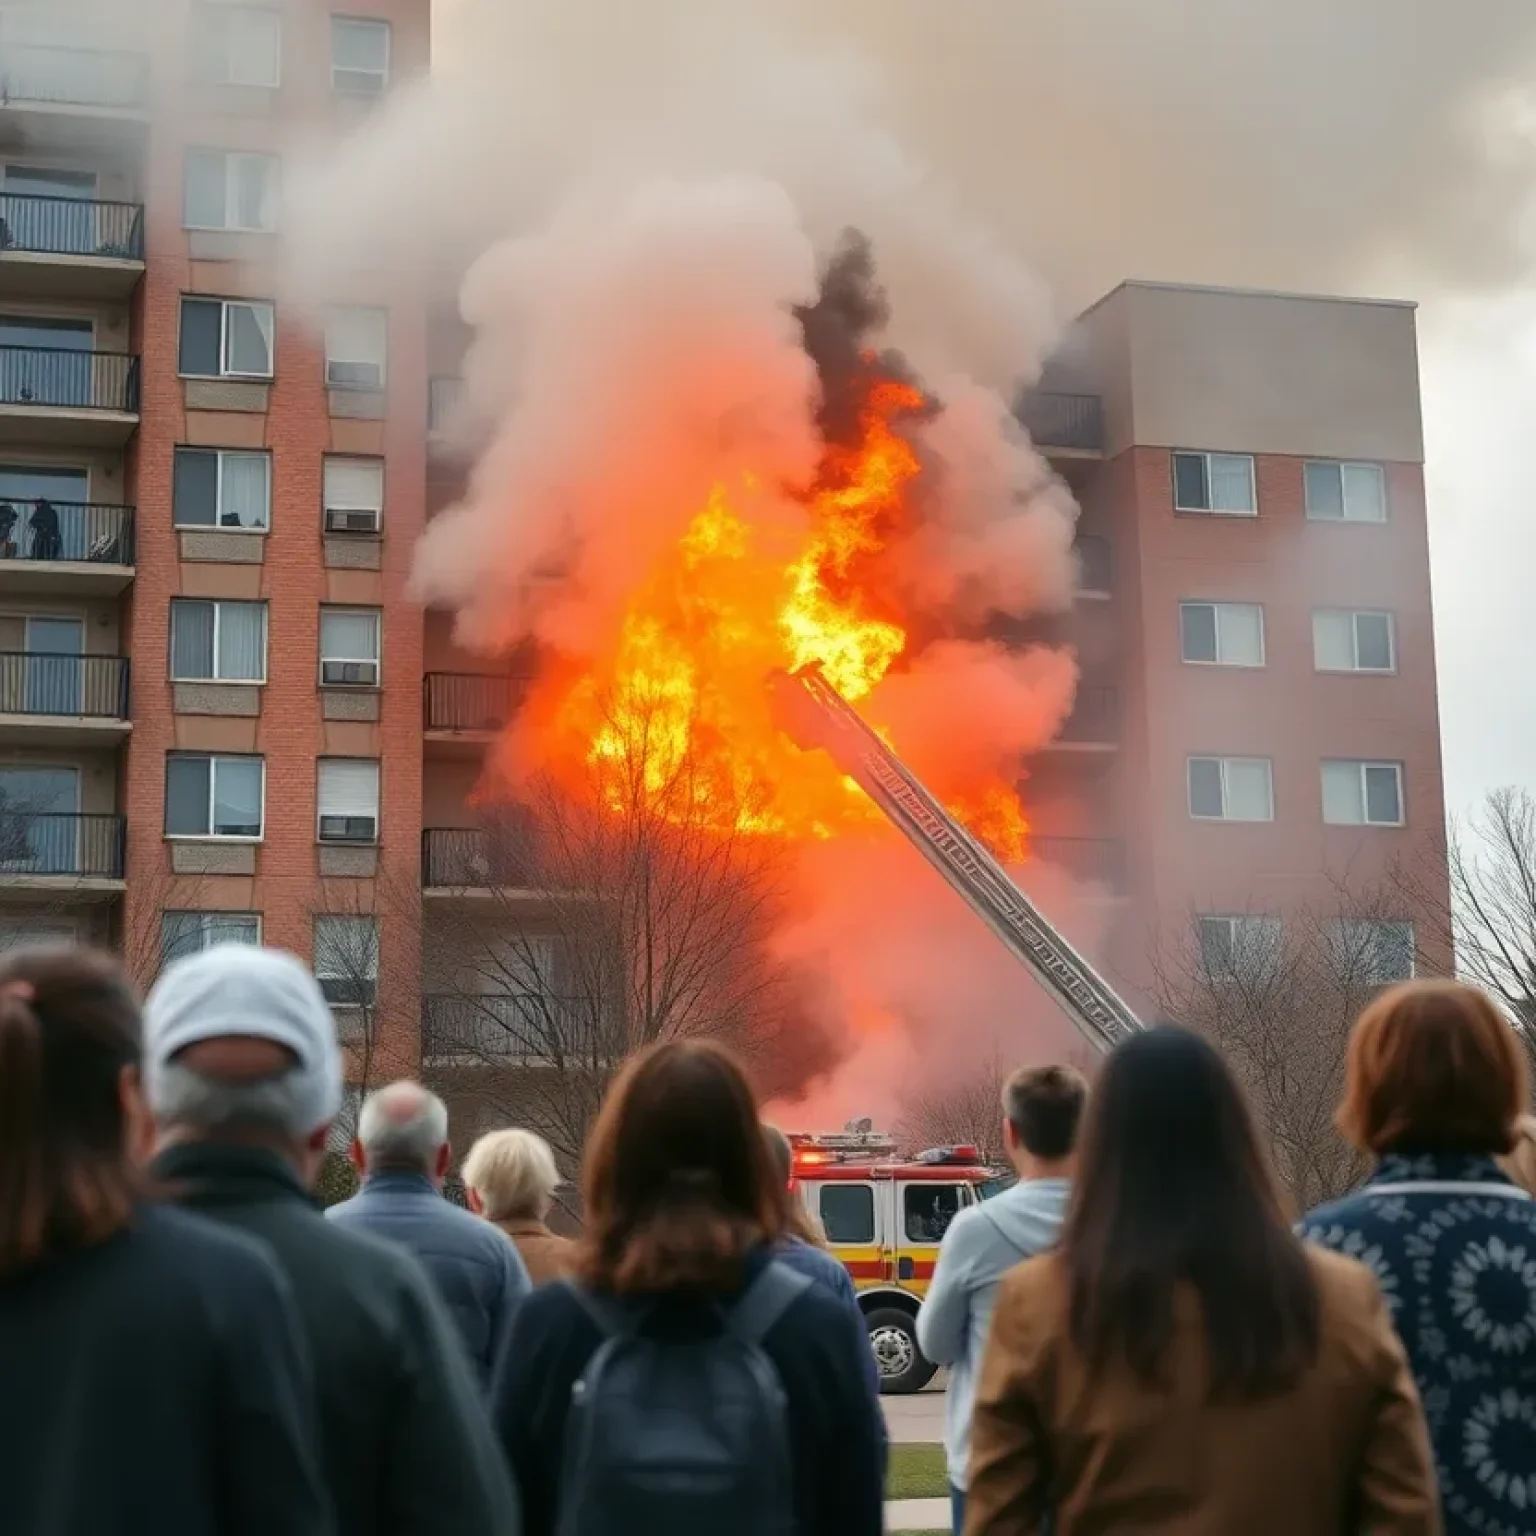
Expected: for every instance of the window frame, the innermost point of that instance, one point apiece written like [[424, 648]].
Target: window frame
[[327, 507], [384, 77], [1207, 454], [1355, 615], [1341, 465], [1263, 921], [320, 974], [229, 156], [377, 659], [373, 839], [219, 14], [205, 914], [843, 1184], [383, 362], [1362, 764], [220, 454], [225, 371], [217, 604], [214, 759], [1224, 761], [1344, 929], [1216, 606]]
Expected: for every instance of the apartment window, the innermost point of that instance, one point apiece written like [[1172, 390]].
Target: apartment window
[[1374, 953], [1222, 634], [1232, 948], [349, 647], [221, 488], [1353, 640], [1214, 482], [238, 45], [354, 495], [349, 800], [347, 959], [207, 795], [1346, 493], [356, 340], [190, 933], [218, 642], [226, 339], [359, 55], [1361, 794], [1231, 789], [231, 190]]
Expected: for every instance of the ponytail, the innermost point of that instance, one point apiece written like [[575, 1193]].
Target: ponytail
[[24, 1194]]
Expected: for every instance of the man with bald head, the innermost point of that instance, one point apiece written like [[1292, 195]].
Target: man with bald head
[[403, 1154], [243, 1075]]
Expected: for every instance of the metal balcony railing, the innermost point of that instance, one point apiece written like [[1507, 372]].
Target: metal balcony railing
[[1099, 859], [66, 379], [1095, 716], [1096, 558], [71, 226], [475, 858], [462, 1028], [469, 701], [104, 79], [87, 531], [37, 843], [39, 683], [1062, 421], [443, 395]]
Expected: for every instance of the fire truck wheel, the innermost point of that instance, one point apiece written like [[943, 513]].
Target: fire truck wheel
[[893, 1337]]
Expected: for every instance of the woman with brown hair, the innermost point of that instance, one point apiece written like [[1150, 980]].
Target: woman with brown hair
[[1435, 1087], [687, 1381], [1182, 1363], [151, 1372]]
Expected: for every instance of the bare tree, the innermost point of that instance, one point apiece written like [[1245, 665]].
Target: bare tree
[[966, 1111]]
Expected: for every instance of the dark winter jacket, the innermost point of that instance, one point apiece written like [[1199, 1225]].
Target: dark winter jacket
[[816, 1347], [1452, 1243], [474, 1265], [407, 1449], [157, 1383]]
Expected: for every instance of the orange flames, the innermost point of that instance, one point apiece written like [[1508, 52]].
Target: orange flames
[[756, 584]]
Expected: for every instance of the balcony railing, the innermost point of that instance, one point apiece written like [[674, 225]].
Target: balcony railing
[[106, 79], [39, 843], [505, 1028], [65, 379], [1096, 557], [1099, 859], [86, 531], [1095, 716], [475, 858], [38, 683], [71, 226], [1062, 421], [469, 701], [443, 395]]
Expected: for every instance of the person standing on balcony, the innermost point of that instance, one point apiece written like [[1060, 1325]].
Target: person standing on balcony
[[403, 1154], [45, 531]]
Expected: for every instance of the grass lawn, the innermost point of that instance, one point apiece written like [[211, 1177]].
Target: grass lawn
[[917, 1472]]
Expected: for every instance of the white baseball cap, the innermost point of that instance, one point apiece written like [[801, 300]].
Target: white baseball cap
[[240, 989]]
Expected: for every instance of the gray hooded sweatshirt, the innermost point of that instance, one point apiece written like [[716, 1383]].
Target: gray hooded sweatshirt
[[983, 1243]]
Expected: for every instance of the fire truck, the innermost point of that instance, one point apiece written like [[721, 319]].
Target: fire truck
[[884, 1216]]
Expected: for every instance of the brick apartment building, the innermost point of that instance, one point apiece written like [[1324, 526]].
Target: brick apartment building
[[220, 718]]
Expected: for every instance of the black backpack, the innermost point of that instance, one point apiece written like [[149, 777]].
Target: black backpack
[[676, 1437]]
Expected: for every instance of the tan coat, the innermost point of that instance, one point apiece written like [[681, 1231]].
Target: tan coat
[[1344, 1453], [545, 1256]]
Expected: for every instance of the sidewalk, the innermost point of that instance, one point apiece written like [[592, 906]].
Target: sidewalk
[[917, 1514]]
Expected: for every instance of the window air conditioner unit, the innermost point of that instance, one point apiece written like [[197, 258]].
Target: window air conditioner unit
[[348, 991], [351, 519], [357, 82], [350, 674], [348, 829], [341, 375]]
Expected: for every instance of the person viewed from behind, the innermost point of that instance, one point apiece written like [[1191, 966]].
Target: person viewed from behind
[[1041, 1108], [1182, 1362], [152, 1376], [687, 1382], [1435, 1083], [244, 1078], [1520, 1165], [403, 1155], [511, 1179]]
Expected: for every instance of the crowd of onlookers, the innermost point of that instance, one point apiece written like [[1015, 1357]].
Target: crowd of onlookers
[[1141, 1336]]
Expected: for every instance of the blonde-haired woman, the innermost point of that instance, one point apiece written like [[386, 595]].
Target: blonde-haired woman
[[511, 1178]]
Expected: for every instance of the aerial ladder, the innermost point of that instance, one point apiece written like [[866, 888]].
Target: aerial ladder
[[816, 716]]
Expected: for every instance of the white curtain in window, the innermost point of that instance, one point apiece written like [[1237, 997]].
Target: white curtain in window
[[1248, 792], [1231, 482], [254, 43], [355, 335], [360, 45], [243, 642], [245, 490], [252, 192], [248, 339], [191, 640], [203, 194], [349, 635], [1365, 495], [237, 796], [354, 483], [349, 787], [1242, 634], [1333, 640], [1343, 796]]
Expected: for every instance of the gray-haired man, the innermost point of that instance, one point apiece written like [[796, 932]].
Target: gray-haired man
[[244, 1078], [403, 1154]]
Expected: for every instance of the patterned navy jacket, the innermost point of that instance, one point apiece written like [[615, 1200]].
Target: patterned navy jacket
[[1453, 1245]]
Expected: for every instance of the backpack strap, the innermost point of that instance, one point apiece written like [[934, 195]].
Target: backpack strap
[[615, 1319], [765, 1302]]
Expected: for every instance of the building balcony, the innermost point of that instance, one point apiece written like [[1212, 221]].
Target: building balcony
[[1063, 426], [67, 852], [1091, 860], [50, 700], [44, 80], [481, 863], [69, 248], [531, 1029], [61, 396], [468, 709], [1095, 720], [83, 547], [1096, 563], [443, 396]]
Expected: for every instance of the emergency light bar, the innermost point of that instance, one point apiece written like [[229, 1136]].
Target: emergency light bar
[[947, 1156]]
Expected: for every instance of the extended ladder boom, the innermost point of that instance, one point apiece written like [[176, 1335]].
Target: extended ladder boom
[[816, 715]]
